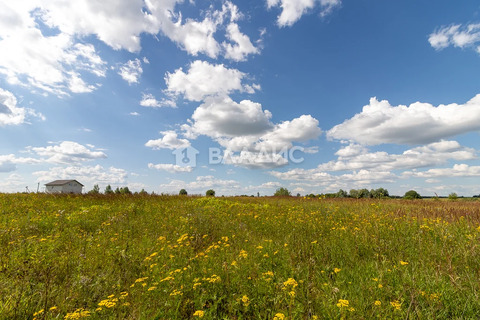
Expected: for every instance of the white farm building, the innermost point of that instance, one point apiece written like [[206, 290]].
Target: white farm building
[[64, 186]]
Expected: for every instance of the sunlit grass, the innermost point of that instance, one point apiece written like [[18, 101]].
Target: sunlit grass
[[152, 257]]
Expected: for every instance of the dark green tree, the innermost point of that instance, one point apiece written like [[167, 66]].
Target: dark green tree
[[183, 192], [364, 193], [282, 192], [108, 190], [379, 193], [342, 193], [95, 190], [354, 193], [453, 196], [210, 193], [124, 190], [412, 194]]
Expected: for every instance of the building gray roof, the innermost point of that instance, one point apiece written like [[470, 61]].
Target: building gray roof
[[61, 182]]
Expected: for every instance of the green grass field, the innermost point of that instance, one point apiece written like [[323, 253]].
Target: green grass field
[[154, 257]]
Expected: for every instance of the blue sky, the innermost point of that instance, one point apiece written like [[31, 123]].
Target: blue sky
[[368, 94]]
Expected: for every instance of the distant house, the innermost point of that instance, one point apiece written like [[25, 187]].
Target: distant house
[[64, 186]]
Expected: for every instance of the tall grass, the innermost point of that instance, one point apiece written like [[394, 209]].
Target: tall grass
[[154, 257]]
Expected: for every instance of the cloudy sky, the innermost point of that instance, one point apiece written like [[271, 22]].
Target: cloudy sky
[[313, 95]]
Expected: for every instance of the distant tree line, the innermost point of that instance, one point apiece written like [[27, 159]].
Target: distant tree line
[[379, 193], [118, 190]]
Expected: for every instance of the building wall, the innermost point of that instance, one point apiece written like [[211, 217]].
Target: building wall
[[71, 187], [54, 189]]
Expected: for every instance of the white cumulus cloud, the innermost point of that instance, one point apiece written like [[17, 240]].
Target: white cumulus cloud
[[8, 162], [456, 35], [43, 44], [244, 129], [223, 117], [149, 101], [204, 79], [172, 168], [365, 168], [379, 122], [458, 170], [51, 63], [170, 140], [11, 113], [68, 152], [131, 71], [293, 10], [242, 46], [84, 174]]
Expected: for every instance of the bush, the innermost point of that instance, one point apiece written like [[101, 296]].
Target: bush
[[379, 193], [342, 194], [282, 192], [95, 190], [184, 192], [210, 193], [108, 190], [453, 196], [412, 194]]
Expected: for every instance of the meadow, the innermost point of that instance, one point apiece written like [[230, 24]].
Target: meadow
[[181, 257]]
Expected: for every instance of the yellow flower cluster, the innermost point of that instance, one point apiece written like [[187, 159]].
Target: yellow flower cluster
[[182, 238], [110, 302], [343, 303], [396, 304], [243, 254], [245, 300], [77, 314], [176, 293], [199, 313], [290, 283], [213, 279]]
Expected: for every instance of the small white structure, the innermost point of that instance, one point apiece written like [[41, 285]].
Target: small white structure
[[64, 186]]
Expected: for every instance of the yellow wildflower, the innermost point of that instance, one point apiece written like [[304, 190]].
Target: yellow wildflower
[[38, 312], [403, 263], [342, 303], [279, 316], [337, 270], [199, 313], [290, 282], [176, 293], [77, 314], [378, 303], [268, 274], [196, 284], [243, 254], [396, 304], [245, 300]]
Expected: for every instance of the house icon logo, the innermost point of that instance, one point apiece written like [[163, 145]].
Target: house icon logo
[[186, 157]]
